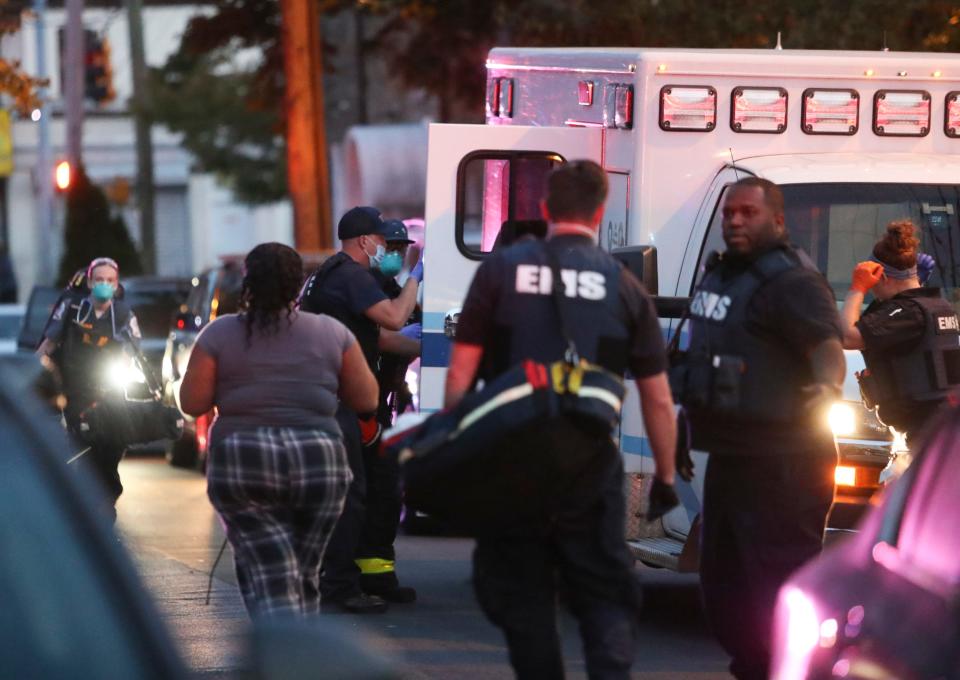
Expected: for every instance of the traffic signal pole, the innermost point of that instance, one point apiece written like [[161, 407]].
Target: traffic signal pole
[[307, 172], [73, 77], [142, 116], [43, 175]]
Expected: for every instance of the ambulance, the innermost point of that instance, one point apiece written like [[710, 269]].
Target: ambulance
[[855, 139]]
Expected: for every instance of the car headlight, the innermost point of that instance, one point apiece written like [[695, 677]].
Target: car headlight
[[842, 419], [851, 419], [123, 372]]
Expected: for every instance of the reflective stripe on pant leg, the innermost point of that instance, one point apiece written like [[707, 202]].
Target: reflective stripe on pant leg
[[375, 565]]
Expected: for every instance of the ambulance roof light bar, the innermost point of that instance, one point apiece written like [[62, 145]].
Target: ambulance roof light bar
[[830, 111], [758, 109], [952, 114], [901, 113], [688, 108]]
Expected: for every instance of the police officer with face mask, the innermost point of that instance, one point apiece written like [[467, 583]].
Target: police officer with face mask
[[764, 363], [344, 288], [909, 334], [86, 336]]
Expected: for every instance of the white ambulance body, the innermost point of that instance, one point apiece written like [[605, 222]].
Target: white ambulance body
[[856, 139]]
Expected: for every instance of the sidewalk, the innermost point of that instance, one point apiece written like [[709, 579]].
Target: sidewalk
[[209, 636], [173, 536]]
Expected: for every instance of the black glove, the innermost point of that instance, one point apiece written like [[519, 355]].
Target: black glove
[[684, 463], [663, 499]]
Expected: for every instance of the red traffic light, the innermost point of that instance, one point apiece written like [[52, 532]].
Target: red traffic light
[[63, 174]]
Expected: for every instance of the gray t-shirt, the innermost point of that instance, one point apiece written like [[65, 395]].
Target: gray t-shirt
[[287, 378]]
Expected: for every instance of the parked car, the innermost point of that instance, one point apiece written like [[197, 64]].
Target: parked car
[[38, 311], [155, 300], [213, 292], [885, 602], [73, 604], [11, 318]]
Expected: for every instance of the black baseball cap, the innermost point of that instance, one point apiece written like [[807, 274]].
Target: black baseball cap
[[360, 221], [396, 232]]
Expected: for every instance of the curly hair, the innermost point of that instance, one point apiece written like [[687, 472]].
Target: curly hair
[[898, 247], [272, 276]]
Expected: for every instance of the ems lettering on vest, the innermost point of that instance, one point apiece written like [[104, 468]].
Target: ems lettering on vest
[[535, 279], [948, 323], [709, 305]]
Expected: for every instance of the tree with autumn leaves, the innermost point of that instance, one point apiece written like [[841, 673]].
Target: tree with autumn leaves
[[231, 114]]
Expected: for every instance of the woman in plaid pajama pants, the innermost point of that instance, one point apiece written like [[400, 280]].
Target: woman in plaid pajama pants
[[277, 472]]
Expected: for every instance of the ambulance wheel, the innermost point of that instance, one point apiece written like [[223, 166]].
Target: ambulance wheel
[[182, 452]]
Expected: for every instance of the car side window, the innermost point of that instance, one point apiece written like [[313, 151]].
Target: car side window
[[227, 299], [714, 237]]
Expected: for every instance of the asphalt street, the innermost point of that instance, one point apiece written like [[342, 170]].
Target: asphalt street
[[173, 533]]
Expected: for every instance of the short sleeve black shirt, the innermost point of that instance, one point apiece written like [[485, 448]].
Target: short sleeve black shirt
[[799, 308], [345, 290], [645, 347]]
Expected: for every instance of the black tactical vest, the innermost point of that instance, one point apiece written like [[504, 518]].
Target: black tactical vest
[[732, 369], [316, 301], [88, 344], [526, 322], [927, 370]]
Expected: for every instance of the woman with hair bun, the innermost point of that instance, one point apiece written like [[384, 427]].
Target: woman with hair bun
[[909, 335], [277, 472]]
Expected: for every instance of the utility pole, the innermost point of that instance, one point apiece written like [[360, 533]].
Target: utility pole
[[43, 173], [307, 172], [73, 81], [142, 116]]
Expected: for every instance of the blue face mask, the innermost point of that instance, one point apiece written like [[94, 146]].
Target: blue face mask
[[102, 291], [377, 257], [391, 264]]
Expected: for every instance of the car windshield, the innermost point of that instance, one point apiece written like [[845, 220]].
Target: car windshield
[[838, 224], [154, 307]]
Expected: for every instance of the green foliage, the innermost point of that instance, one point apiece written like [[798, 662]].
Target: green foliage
[[91, 231], [231, 121], [231, 116]]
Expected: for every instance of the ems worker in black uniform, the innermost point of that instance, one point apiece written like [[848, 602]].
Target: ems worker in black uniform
[[87, 334], [509, 315], [375, 553], [764, 364], [344, 288], [909, 335]]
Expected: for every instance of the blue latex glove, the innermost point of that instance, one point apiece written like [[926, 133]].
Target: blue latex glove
[[417, 271], [414, 331], [925, 265]]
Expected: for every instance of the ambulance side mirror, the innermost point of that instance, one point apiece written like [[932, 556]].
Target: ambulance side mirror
[[642, 263]]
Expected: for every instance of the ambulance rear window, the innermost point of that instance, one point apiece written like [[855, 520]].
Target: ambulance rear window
[[494, 187]]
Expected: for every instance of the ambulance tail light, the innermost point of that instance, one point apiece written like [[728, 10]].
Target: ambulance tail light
[[759, 109], [901, 113], [688, 109], [952, 123], [830, 112]]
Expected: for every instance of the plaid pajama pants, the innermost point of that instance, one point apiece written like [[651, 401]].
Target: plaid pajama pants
[[279, 492]]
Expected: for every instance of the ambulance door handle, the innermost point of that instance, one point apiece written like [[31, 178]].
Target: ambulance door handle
[[450, 320]]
